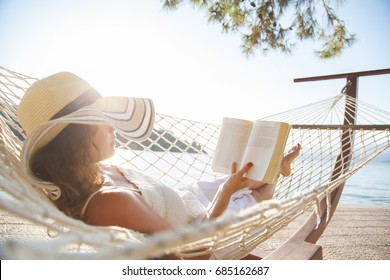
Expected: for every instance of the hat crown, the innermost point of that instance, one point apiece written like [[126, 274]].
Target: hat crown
[[46, 97]]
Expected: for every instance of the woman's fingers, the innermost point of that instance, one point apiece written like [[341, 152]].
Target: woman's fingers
[[245, 168], [234, 167]]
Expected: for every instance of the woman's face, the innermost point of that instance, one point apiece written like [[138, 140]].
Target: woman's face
[[104, 142]]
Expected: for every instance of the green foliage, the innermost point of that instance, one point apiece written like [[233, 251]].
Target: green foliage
[[277, 24]]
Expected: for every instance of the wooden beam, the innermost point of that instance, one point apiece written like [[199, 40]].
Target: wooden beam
[[344, 75]]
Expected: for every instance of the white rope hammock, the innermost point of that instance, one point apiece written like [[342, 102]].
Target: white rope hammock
[[181, 151]]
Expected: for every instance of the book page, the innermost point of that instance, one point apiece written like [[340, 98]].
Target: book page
[[265, 149], [231, 144]]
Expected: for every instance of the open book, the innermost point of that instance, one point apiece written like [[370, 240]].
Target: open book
[[259, 142]]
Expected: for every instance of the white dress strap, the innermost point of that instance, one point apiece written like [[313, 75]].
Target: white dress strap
[[90, 198]]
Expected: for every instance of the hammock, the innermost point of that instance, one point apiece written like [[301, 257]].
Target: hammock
[[335, 146]]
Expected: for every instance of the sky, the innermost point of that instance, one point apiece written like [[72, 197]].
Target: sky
[[185, 64]]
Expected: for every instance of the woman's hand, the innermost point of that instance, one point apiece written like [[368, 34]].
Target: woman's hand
[[237, 181]]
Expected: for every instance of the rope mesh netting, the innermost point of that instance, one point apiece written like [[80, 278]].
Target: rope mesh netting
[[180, 151]]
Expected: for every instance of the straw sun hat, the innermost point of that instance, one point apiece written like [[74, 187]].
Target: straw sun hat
[[52, 103]]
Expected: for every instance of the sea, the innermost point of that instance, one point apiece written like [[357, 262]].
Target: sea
[[370, 185]]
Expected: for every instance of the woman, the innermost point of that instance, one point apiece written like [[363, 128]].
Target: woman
[[71, 129]]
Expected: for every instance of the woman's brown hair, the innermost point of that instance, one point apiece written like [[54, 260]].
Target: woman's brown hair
[[68, 162]]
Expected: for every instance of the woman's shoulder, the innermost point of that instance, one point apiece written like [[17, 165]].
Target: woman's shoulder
[[124, 208], [106, 203]]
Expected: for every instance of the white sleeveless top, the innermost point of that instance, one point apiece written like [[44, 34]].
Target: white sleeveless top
[[180, 205]]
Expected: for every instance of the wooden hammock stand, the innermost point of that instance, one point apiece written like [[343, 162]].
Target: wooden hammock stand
[[302, 245]]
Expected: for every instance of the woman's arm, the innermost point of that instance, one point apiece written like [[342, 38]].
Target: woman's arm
[[234, 183], [125, 209]]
